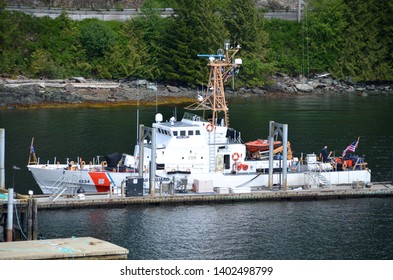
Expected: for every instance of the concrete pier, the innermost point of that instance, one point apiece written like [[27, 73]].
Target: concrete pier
[[60, 249]]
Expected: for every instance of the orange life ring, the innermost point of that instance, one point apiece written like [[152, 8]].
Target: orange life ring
[[235, 156], [239, 167], [209, 127], [245, 167]]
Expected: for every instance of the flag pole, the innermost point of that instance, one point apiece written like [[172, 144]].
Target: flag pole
[[357, 143], [32, 152]]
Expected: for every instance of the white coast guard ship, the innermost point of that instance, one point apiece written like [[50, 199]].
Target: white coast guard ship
[[202, 153]]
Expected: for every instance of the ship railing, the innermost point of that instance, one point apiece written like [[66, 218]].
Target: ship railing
[[59, 187]]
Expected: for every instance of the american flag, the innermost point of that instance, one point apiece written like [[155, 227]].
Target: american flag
[[351, 148]]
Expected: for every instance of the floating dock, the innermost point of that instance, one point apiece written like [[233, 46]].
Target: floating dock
[[91, 248], [60, 249], [107, 200]]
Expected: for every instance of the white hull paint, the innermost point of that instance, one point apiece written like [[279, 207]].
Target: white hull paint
[[97, 181]]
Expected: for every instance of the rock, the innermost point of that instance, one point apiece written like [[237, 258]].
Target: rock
[[80, 79], [351, 89], [370, 87], [318, 85], [304, 87], [152, 86], [303, 80], [69, 87], [326, 81], [141, 82], [291, 90], [172, 89], [258, 91]]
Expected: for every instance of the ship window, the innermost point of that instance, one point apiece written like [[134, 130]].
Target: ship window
[[182, 133], [227, 164], [198, 132], [160, 166], [190, 132], [175, 133]]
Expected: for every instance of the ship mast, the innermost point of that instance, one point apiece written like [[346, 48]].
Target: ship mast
[[222, 66]]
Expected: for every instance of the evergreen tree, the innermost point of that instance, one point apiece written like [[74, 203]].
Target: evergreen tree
[[325, 23], [245, 24], [285, 49], [17, 40], [96, 37], [152, 27], [198, 27], [366, 54], [129, 57]]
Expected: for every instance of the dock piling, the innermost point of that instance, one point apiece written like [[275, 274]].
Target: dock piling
[[10, 214], [2, 158]]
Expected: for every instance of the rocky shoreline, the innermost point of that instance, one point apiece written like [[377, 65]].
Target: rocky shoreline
[[22, 92]]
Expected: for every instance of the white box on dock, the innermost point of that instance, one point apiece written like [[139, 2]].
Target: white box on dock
[[222, 190], [240, 190], [203, 185]]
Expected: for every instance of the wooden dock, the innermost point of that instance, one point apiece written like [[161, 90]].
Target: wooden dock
[[60, 249], [106, 200], [28, 207]]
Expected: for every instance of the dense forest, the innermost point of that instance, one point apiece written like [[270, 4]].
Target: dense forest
[[349, 39]]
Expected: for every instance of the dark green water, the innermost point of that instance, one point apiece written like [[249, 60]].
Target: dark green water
[[313, 122], [334, 229]]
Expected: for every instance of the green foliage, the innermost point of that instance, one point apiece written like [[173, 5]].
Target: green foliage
[[96, 37], [151, 28], [155, 4], [246, 26], [323, 28], [197, 28], [366, 53], [351, 38], [43, 66], [346, 38], [285, 46]]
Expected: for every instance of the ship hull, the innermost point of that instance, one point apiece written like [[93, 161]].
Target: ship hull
[[98, 182]]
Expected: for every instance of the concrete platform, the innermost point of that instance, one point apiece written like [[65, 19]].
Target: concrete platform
[[60, 249]]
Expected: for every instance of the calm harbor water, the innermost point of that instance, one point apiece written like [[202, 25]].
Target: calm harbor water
[[337, 229], [310, 230]]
